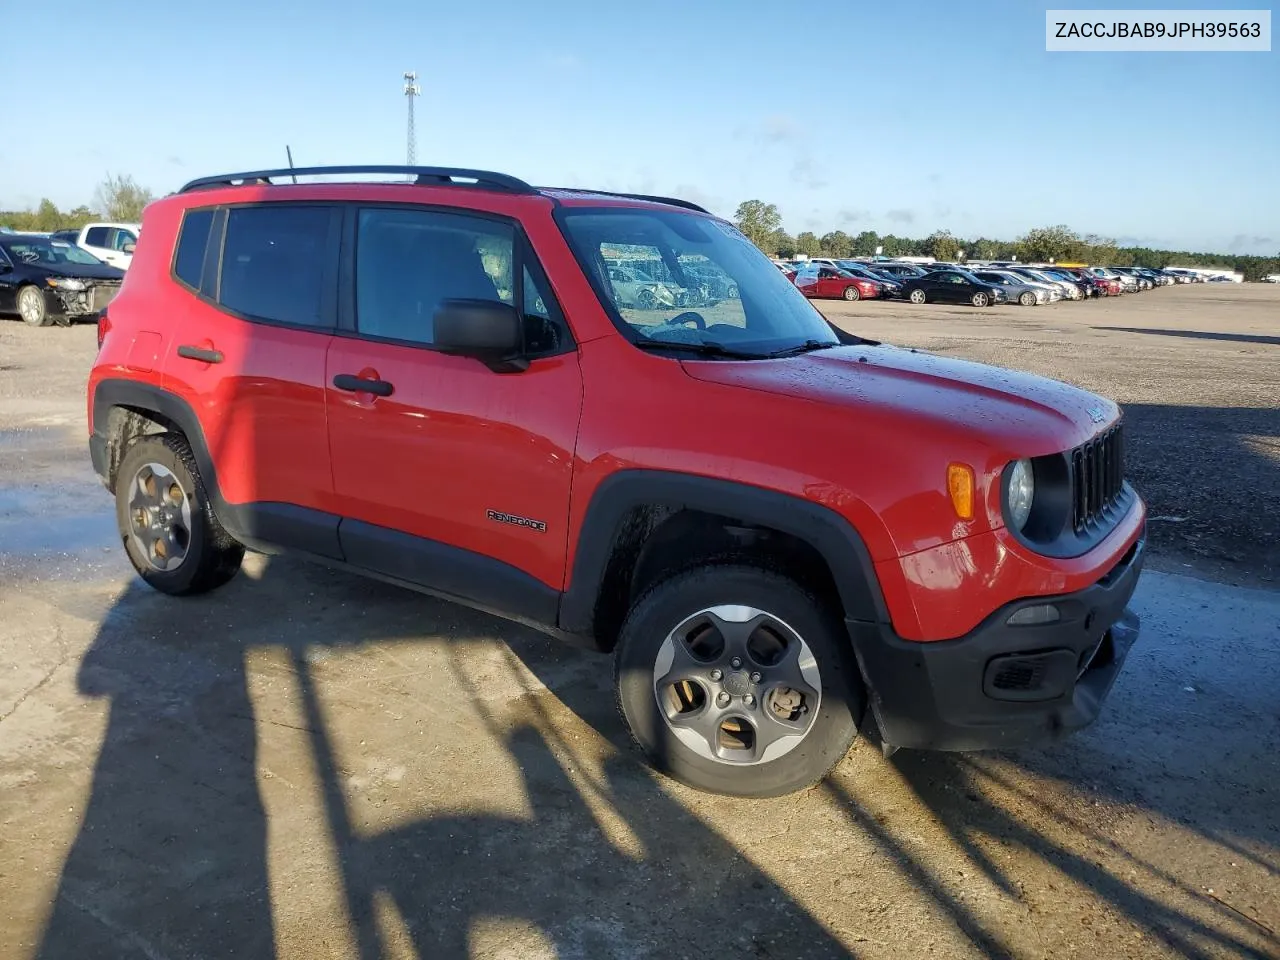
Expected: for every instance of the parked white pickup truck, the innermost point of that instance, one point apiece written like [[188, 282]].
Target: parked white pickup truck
[[111, 243]]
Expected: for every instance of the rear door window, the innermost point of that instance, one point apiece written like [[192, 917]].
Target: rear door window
[[276, 264], [96, 236]]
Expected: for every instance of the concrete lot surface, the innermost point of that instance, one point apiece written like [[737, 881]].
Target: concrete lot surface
[[306, 764]]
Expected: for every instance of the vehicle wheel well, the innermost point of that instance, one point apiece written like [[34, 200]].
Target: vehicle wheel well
[[124, 426], [657, 543]]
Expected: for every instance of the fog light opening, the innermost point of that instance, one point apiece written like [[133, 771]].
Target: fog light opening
[[1038, 615]]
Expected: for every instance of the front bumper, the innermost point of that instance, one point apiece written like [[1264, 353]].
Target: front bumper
[[1001, 685], [81, 303]]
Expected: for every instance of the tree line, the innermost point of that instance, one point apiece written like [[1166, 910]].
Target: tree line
[[118, 198], [762, 224]]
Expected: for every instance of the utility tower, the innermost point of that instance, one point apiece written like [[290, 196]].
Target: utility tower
[[411, 90]]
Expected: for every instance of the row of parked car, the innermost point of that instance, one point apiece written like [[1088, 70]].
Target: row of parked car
[[981, 284]]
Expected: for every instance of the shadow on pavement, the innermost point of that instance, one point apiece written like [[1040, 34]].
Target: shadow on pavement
[[1200, 334], [171, 858]]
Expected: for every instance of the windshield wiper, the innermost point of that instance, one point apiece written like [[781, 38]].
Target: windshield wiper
[[807, 347], [706, 348]]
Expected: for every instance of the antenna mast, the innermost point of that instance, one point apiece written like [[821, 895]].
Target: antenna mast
[[411, 90]]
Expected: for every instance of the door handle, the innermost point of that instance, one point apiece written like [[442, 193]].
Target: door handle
[[354, 384], [200, 353]]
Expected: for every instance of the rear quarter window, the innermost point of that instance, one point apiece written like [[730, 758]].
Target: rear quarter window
[[274, 262], [193, 242]]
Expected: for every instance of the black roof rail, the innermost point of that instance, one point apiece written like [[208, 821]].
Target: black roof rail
[[483, 179], [670, 201]]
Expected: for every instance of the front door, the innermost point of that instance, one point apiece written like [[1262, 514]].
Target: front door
[[8, 284], [953, 288], [447, 473]]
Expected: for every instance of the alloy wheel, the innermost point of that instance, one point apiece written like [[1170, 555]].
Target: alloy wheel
[[159, 517], [737, 685]]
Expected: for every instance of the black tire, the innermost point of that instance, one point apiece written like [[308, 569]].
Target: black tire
[[31, 306], [211, 557], [662, 609], [980, 300], [918, 296], [851, 293]]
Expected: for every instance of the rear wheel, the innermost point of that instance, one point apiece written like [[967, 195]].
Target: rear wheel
[[1027, 299], [981, 299], [738, 681], [918, 296], [166, 522], [851, 293], [32, 308]]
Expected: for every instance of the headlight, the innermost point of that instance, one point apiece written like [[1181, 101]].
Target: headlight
[[65, 283], [1021, 491]]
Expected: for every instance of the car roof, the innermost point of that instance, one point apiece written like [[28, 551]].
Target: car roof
[[429, 178]]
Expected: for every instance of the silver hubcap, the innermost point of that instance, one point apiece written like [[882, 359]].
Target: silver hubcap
[[29, 305], [159, 517], [737, 685], [917, 296]]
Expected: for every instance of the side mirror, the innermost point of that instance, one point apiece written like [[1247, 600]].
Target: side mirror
[[488, 330], [129, 248]]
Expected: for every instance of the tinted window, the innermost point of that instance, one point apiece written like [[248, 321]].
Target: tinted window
[[188, 262], [273, 263], [96, 237], [544, 328], [408, 261]]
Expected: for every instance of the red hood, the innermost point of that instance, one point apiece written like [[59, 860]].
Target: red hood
[[1017, 413]]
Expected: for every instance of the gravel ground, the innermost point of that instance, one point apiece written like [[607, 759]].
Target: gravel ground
[[1197, 370], [306, 764]]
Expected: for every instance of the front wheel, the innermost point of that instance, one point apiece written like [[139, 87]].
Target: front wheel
[[738, 681], [1027, 299], [918, 296], [166, 521], [981, 299], [851, 293], [31, 307]]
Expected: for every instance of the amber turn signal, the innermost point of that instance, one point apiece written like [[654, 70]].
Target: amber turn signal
[[960, 487]]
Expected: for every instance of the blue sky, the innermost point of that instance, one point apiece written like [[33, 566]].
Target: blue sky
[[901, 118]]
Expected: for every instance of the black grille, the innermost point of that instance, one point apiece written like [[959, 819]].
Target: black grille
[[1024, 673], [1097, 477]]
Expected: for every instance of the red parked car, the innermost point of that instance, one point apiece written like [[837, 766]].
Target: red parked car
[[780, 530], [816, 280]]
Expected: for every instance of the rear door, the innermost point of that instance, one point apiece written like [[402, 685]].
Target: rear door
[[256, 313], [451, 475]]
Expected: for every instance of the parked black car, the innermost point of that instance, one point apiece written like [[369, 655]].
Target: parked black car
[[952, 286], [49, 281]]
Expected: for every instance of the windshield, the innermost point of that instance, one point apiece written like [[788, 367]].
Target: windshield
[[685, 279], [47, 253]]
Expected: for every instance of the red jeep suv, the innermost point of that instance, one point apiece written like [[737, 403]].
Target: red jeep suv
[[782, 531]]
